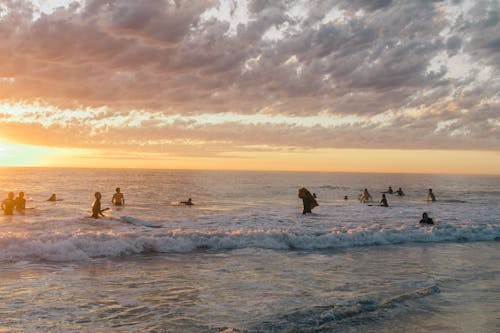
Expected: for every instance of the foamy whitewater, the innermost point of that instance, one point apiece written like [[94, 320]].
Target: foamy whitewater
[[244, 258]]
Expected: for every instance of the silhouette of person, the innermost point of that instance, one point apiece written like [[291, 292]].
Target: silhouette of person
[[52, 197], [390, 191], [384, 202], [20, 202], [96, 206], [189, 202], [9, 204], [426, 219], [308, 200], [365, 196], [400, 192], [345, 197], [118, 198], [430, 196]]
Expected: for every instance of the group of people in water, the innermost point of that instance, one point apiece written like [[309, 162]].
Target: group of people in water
[[309, 200], [11, 204]]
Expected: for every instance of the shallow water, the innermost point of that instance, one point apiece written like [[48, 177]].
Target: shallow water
[[245, 258]]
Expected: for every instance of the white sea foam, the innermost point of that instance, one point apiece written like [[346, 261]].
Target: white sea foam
[[80, 245]]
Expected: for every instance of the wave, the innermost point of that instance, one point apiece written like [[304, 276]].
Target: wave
[[327, 317], [86, 245]]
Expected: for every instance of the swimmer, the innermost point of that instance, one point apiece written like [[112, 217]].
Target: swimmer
[[400, 192], [384, 202], [9, 204], [389, 191], [430, 196], [365, 196], [52, 197], [118, 198], [426, 219], [96, 206], [20, 202], [189, 202]]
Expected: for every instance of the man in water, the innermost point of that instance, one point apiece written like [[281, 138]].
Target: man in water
[[430, 196], [365, 196], [96, 206], [390, 191], [118, 198], [400, 192], [20, 202], [384, 202], [189, 202], [426, 219], [52, 197], [9, 204]]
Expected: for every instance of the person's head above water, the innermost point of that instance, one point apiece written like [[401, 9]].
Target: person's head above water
[[424, 215], [97, 195], [117, 190], [21, 195], [10, 195]]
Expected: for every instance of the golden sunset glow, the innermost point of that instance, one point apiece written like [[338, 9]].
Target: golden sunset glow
[[222, 85]]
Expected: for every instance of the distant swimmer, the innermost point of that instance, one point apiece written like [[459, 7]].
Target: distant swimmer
[[9, 204], [426, 219], [52, 197], [430, 196], [118, 198], [20, 202], [365, 196], [384, 202], [189, 202], [308, 200], [345, 197], [389, 191], [400, 192], [96, 206]]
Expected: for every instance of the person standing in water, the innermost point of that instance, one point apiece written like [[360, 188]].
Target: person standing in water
[[20, 202], [96, 206], [9, 204], [365, 196], [384, 202], [308, 200], [400, 192], [430, 196], [118, 198]]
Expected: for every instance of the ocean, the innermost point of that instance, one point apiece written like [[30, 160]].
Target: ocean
[[244, 258]]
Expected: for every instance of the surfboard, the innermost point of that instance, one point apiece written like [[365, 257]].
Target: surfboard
[[139, 222]]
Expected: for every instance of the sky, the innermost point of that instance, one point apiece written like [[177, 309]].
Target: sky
[[347, 85]]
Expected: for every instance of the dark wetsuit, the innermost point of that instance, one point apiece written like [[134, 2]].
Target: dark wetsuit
[[427, 220], [384, 203], [308, 200]]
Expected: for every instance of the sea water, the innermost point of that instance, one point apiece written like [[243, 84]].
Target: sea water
[[244, 258]]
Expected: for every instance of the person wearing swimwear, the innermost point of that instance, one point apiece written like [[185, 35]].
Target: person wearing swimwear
[[9, 204], [118, 198], [96, 206], [20, 202]]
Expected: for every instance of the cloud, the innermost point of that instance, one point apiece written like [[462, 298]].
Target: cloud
[[137, 61]]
